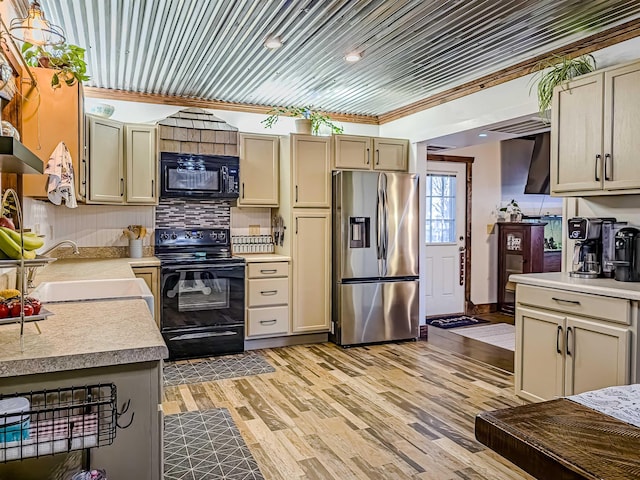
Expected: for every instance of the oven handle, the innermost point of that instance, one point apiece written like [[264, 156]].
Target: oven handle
[[193, 336], [210, 268]]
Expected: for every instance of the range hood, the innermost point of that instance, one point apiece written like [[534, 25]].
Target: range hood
[[16, 158], [539, 168]]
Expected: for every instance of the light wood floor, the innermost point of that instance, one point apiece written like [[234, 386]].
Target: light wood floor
[[394, 411]]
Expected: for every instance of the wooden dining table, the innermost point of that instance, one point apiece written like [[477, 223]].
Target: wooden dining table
[[562, 440]]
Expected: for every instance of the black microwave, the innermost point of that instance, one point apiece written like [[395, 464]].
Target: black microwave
[[204, 176]]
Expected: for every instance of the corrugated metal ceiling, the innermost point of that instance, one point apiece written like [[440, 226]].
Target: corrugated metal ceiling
[[411, 49]]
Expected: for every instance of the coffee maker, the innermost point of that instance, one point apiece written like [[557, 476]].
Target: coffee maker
[[587, 251], [627, 254]]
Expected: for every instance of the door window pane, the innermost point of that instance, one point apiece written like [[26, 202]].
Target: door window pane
[[441, 208]]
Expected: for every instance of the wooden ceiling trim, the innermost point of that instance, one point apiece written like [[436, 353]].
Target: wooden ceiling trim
[[126, 96], [587, 45]]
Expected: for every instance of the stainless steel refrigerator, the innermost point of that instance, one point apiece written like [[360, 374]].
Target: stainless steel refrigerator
[[375, 257]]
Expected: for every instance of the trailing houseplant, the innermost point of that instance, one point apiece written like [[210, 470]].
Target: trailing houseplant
[[556, 70], [66, 60], [513, 210], [316, 118]]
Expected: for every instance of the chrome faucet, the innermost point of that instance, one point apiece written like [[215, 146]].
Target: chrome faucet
[[31, 271]]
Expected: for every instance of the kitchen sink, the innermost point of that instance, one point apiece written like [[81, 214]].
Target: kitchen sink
[[79, 290]]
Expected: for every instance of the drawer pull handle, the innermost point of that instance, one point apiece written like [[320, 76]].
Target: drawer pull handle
[[269, 271], [558, 339], [569, 331], [562, 300], [268, 292], [268, 322]]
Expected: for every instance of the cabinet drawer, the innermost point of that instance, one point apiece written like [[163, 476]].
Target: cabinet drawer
[[265, 270], [267, 321], [268, 292], [597, 306]]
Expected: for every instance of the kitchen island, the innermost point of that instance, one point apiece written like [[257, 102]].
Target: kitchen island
[[91, 342]]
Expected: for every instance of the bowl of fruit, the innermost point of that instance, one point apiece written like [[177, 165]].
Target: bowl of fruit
[[10, 306]]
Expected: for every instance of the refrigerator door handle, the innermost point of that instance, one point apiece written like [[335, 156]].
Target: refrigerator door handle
[[382, 227], [379, 224]]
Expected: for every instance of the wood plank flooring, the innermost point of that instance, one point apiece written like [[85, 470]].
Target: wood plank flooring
[[394, 411]]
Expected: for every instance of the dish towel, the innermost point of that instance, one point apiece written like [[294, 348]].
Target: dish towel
[[60, 171]]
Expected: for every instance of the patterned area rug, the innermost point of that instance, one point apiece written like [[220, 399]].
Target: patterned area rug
[[206, 446], [215, 368], [501, 335], [454, 321]]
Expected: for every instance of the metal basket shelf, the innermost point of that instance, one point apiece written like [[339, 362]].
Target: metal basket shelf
[[34, 262], [59, 421], [44, 313]]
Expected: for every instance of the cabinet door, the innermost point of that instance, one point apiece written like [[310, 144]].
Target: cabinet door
[[311, 160], [106, 168], [43, 127], [621, 127], [151, 277], [539, 360], [597, 355], [352, 152], [259, 170], [391, 154], [142, 160], [577, 162], [311, 271]]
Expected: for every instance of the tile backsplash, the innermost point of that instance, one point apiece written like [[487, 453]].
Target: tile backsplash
[[193, 213]]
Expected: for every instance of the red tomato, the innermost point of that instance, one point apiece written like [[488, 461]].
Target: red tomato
[[4, 311], [36, 306], [14, 308], [28, 310]]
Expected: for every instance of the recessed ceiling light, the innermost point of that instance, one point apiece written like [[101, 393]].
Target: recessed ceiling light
[[483, 135], [353, 56], [273, 42]]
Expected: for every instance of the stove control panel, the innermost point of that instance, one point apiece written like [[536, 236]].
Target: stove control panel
[[192, 237]]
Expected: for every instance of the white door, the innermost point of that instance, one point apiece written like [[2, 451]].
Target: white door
[[444, 236]]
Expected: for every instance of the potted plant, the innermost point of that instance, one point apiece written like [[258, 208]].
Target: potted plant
[[310, 120], [557, 70], [66, 60], [513, 210]]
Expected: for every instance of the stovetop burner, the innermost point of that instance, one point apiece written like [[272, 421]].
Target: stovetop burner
[[180, 245]]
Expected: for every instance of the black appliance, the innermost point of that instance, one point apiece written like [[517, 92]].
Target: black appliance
[[539, 167], [587, 251], [205, 176], [202, 293], [627, 253]]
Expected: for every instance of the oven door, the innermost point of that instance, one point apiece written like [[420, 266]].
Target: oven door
[[202, 296]]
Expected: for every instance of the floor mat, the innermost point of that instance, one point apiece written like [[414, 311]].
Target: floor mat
[[454, 321], [501, 335], [206, 445], [215, 368]]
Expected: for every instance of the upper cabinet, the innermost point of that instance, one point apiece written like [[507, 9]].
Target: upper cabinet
[[259, 170], [355, 152], [594, 140], [49, 117], [310, 170], [122, 162]]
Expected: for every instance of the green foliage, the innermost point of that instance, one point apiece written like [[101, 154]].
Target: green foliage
[[556, 70], [512, 207], [67, 60], [317, 118]]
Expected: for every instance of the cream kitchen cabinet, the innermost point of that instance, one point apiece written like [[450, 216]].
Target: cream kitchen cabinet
[[569, 343], [594, 141], [122, 163], [151, 276], [267, 299], [259, 170], [305, 171], [311, 251], [355, 152]]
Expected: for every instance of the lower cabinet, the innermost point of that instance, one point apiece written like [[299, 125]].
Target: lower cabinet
[[151, 276], [267, 299], [559, 353], [311, 251]]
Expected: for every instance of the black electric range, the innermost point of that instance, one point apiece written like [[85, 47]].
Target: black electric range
[[202, 292]]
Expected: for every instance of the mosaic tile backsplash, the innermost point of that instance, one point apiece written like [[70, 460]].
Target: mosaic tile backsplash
[[193, 213]]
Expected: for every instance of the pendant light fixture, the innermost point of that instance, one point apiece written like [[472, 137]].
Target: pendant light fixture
[[35, 28]]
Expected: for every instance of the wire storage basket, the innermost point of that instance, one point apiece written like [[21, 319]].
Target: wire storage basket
[[46, 422]]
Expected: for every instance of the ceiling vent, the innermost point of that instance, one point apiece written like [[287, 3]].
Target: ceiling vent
[[530, 126], [438, 148]]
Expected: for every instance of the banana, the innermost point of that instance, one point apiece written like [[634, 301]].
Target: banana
[[31, 240], [12, 249]]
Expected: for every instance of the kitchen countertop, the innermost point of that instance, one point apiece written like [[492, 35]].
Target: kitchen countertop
[[595, 286], [84, 334], [263, 257]]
